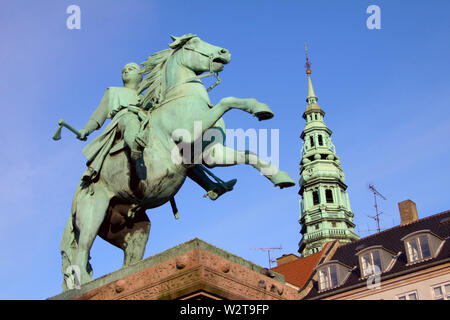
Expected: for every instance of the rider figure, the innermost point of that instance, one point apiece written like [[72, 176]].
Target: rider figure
[[121, 105]]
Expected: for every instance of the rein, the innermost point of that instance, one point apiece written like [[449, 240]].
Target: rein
[[197, 78]]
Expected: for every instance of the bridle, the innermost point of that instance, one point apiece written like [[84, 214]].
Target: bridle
[[197, 78], [210, 72]]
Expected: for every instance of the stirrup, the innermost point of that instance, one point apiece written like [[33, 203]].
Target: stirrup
[[220, 189]]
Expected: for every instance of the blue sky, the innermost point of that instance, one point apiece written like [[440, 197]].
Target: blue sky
[[385, 93]]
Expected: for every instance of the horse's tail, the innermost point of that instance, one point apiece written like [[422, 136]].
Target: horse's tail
[[68, 245]]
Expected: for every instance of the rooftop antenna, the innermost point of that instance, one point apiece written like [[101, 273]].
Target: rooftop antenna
[[377, 213], [376, 217], [268, 253]]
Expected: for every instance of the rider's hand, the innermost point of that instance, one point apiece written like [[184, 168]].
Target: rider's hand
[[83, 135]]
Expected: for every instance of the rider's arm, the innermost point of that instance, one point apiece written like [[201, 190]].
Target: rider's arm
[[98, 117]]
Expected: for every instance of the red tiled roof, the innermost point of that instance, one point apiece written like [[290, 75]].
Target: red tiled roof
[[299, 271]]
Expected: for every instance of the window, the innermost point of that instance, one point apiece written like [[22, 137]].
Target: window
[[441, 292], [328, 277], [375, 260], [329, 196], [418, 248], [333, 224], [311, 140], [370, 263], [315, 197], [408, 296], [422, 245], [320, 140]]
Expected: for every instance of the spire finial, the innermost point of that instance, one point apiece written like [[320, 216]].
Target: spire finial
[[311, 95], [308, 64]]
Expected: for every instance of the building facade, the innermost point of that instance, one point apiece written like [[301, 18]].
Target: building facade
[[407, 262]]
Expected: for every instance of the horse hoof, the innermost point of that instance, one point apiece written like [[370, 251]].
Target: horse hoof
[[264, 115], [281, 179], [261, 111], [286, 184]]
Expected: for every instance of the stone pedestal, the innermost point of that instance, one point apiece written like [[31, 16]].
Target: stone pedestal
[[192, 270]]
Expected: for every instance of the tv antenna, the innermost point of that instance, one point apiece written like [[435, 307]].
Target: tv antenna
[[268, 253], [376, 217]]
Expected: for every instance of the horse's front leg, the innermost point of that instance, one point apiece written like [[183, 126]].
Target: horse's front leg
[[196, 129], [219, 155], [252, 106]]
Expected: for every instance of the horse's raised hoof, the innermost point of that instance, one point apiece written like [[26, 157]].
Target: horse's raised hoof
[[285, 185], [281, 179], [264, 115], [261, 111]]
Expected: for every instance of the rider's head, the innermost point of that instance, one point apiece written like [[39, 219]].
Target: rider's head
[[131, 74]]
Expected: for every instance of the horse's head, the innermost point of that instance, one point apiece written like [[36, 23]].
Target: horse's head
[[187, 51], [200, 56]]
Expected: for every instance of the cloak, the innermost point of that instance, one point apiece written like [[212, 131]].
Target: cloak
[[116, 102]]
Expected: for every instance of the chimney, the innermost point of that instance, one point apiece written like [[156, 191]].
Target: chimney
[[408, 212], [285, 258]]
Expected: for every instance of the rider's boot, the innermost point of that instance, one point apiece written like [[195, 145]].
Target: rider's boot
[[213, 190], [220, 188]]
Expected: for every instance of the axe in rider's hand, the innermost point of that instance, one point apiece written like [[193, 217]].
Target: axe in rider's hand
[[62, 123]]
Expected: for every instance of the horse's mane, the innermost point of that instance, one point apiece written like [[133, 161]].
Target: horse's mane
[[153, 70]]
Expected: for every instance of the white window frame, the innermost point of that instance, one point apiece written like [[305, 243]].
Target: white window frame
[[407, 295], [409, 250], [445, 293], [370, 269], [328, 279]]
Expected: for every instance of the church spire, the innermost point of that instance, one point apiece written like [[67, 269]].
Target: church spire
[[311, 95], [325, 213]]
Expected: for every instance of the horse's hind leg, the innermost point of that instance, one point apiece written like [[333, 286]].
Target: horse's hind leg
[[129, 234], [219, 155], [90, 213], [135, 242]]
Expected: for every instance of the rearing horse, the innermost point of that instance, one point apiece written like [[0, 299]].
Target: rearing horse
[[113, 207]]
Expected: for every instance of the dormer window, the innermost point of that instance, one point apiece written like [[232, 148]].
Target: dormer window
[[418, 248], [370, 263], [422, 245], [328, 277], [375, 260], [332, 274]]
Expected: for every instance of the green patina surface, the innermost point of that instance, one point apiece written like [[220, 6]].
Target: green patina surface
[[161, 257], [325, 213], [143, 156]]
